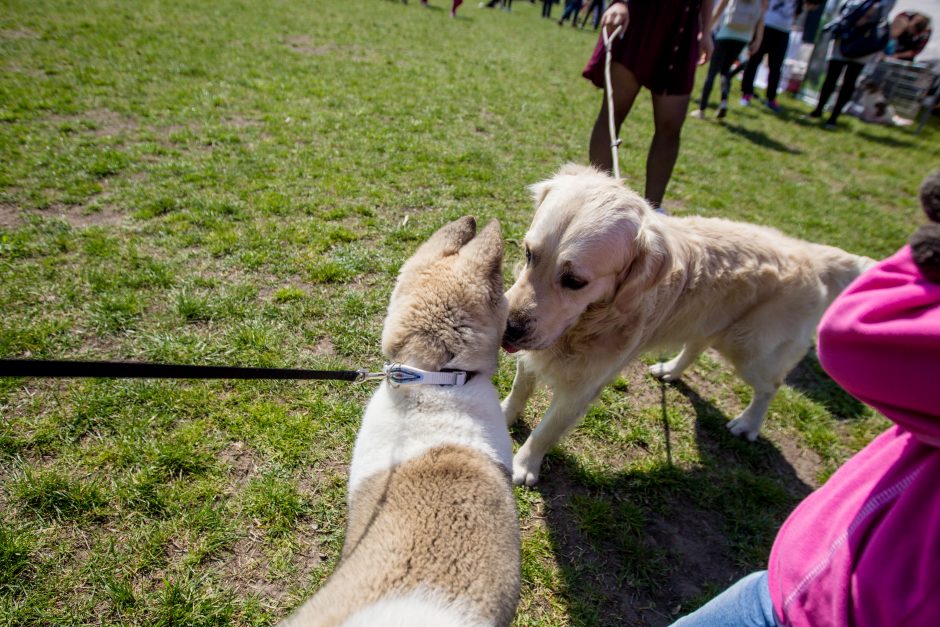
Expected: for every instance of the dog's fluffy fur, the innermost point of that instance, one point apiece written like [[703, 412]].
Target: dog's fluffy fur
[[874, 107], [432, 537], [607, 279]]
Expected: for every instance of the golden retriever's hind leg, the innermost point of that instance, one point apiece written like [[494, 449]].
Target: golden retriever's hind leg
[[522, 387], [672, 370], [765, 373], [749, 422]]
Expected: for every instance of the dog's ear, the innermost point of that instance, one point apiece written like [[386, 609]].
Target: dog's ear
[[485, 252], [448, 239], [540, 191], [651, 262]]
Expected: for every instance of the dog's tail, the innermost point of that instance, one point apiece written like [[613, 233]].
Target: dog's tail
[[838, 268]]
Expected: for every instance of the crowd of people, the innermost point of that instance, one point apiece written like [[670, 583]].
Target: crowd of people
[[660, 48], [663, 42]]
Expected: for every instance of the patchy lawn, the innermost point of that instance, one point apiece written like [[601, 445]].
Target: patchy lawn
[[238, 183]]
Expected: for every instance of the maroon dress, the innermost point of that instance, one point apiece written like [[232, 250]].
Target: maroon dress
[[660, 46]]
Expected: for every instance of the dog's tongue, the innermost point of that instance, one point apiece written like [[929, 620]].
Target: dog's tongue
[[509, 348]]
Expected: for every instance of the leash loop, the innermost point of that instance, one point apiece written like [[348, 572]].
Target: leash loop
[[614, 140]]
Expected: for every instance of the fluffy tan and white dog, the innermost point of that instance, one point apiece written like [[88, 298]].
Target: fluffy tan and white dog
[[432, 536], [606, 279]]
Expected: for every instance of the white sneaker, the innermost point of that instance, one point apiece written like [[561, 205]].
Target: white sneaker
[[698, 114]]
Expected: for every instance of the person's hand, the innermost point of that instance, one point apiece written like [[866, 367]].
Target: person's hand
[[754, 46], [707, 47], [616, 15]]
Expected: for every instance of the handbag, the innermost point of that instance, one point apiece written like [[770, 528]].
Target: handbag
[[859, 40], [863, 41]]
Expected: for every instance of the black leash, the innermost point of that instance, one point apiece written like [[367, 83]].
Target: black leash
[[138, 370]]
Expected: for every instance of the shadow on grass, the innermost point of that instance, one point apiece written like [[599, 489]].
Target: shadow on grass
[[806, 121], [887, 140], [809, 378], [643, 547], [759, 138]]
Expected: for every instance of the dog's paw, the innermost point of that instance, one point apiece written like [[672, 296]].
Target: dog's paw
[[525, 471], [741, 427], [664, 372]]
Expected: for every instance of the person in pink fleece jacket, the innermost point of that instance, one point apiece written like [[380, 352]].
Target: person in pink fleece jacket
[[864, 549]]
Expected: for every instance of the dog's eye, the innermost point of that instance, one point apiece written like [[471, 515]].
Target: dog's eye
[[528, 254], [571, 282]]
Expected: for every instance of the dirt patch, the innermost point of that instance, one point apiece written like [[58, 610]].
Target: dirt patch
[[238, 121], [13, 34], [303, 44], [10, 216], [801, 463], [79, 216], [242, 464], [245, 569], [100, 122], [643, 389], [324, 348], [176, 549], [309, 554], [696, 539]]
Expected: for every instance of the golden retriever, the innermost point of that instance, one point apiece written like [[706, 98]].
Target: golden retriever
[[607, 279]]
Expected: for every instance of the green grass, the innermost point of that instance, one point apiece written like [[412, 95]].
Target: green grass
[[55, 495], [238, 183]]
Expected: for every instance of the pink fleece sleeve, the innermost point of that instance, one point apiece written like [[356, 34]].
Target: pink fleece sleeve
[[880, 340]]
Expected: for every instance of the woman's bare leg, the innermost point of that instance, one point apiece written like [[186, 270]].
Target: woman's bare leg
[[625, 89], [668, 117]]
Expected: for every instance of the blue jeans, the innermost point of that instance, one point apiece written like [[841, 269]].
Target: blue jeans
[[572, 7], [745, 604]]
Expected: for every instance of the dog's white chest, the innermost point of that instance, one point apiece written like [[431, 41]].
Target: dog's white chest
[[401, 425]]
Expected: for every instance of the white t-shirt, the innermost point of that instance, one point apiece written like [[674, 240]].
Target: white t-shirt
[[739, 20]]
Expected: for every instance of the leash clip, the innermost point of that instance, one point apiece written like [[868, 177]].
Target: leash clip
[[364, 375]]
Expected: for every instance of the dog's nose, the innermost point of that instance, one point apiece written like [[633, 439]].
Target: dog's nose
[[516, 329]]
